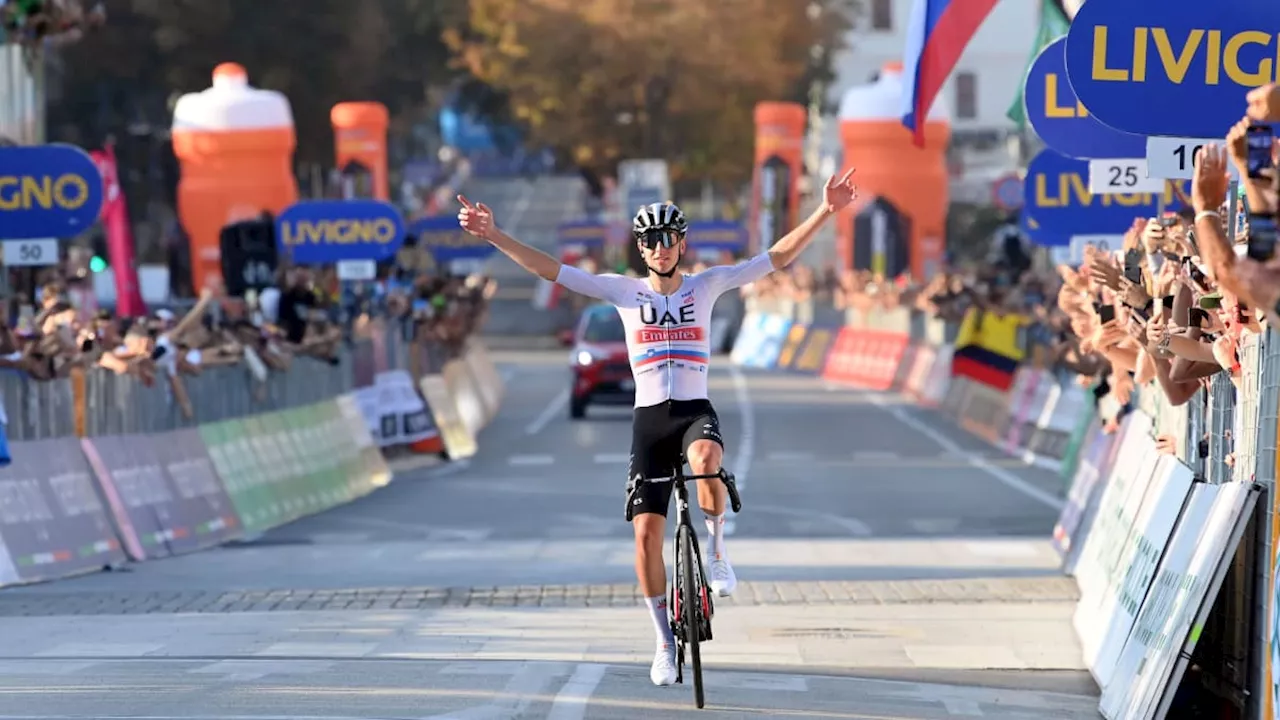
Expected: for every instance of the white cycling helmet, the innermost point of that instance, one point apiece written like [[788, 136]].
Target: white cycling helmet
[[659, 216]]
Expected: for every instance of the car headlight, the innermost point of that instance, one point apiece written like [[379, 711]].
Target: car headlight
[[585, 358]]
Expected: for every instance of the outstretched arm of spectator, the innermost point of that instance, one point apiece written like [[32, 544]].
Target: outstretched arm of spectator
[[1208, 193]]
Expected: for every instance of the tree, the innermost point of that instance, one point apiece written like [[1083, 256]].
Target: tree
[[318, 53], [604, 80]]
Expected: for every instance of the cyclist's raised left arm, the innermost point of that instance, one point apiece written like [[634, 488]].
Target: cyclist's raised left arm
[[788, 249], [836, 194], [723, 278]]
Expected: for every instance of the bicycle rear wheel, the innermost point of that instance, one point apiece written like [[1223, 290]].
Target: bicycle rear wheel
[[691, 607]]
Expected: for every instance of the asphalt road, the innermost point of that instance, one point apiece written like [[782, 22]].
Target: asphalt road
[[890, 566]]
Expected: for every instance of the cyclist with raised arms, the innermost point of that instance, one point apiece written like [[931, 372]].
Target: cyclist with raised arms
[[667, 317]]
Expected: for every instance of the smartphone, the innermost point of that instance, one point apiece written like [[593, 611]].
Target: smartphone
[[1262, 237], [1260, 139], [1169, 221], [1197, 276], [1133, 266], [1167, 301], [1211, 302], [1198, 317], [1107, 313]]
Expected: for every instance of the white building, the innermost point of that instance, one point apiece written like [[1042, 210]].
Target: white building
[[976, 96]]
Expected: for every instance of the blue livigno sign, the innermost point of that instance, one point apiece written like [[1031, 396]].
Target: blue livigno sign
[[1062, 121], [1058, 198], [316, 232], [717, 235], [447, 241], [1175, 68], [48, 191]]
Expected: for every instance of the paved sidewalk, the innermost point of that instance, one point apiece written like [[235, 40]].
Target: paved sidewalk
[[971, 636], [903, 592]]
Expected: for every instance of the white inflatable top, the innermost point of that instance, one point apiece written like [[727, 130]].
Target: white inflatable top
[[882, 100], [231, 104]]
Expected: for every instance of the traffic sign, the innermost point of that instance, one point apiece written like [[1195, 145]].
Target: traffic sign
[[31, 253], [1006, 193], [1173, 158], [1117, 177]]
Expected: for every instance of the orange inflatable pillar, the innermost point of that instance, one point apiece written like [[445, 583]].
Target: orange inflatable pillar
[[235, 146], [779, 163], [360, 134], [914, 180]]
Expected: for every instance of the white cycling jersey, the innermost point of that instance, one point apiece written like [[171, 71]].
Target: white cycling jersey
[[668, 336]]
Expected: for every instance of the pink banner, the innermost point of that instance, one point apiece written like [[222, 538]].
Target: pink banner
[[115, 221]]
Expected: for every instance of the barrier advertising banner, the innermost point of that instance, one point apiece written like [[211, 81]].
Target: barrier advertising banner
[[394, 413], [163, 491], [52, 522], [234, 451], [1173, 613], [459, 443], [368, 462]]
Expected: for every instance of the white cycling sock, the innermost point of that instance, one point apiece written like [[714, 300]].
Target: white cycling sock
[[658, 611], [715, 535]]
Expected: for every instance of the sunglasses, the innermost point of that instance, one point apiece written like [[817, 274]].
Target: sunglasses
[[651, 239]]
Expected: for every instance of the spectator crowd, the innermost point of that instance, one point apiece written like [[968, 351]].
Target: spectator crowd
[[306, 316], [1171, 309]]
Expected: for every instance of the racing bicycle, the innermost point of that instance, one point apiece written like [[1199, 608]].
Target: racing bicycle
[[691, 604]]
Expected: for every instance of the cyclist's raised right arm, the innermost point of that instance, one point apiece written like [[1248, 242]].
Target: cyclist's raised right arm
[[478, 220], [529, 258]]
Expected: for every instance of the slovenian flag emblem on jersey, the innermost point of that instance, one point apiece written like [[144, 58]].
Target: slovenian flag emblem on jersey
[[657, 355], [937, 34]]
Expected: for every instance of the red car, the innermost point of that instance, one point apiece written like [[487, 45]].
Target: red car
[[601, 367]]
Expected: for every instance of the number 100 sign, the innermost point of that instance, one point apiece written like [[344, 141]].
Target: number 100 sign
[[1173, 158]]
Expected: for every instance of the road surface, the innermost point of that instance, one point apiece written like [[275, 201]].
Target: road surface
[[889, 567]]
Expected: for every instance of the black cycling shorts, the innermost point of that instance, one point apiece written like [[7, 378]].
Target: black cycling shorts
[[660, 436]]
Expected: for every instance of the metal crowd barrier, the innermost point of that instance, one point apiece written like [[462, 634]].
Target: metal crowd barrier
[[97, 402], [1226, 434]]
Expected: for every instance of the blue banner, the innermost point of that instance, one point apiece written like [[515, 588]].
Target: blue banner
[[1176, 68], [1058, 198], [316, 232], [588, 233], [1039, 234], [447, 241], [717, 235], [48, 191], [1060, 119]]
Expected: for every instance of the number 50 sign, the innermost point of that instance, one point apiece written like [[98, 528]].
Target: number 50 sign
[[1174, 158]]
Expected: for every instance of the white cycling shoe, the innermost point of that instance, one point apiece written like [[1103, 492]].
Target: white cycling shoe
[[663, 671], [723, 581]]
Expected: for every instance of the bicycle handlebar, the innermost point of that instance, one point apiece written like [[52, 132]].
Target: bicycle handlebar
[[726, 477]]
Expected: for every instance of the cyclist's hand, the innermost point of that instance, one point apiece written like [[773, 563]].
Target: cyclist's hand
[[476, 219], [839, 192]]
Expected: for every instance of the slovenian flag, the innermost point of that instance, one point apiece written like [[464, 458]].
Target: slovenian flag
[[937, 34]]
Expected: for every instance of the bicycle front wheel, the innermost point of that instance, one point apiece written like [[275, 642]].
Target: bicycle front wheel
[[691, 607]]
